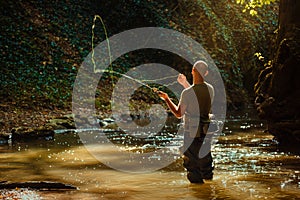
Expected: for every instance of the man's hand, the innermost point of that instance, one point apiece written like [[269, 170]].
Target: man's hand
[[162, 95], [176, 110], [182, 80]]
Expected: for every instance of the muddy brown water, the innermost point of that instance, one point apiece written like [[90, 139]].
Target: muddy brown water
[[248, 165]]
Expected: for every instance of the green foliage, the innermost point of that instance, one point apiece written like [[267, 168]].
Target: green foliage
[[42, 47], [252, 5], [43, 44]]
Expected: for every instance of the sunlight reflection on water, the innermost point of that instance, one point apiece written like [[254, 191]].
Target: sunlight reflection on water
[[247, 166]]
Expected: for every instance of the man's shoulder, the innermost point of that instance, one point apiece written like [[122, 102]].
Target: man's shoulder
[[188, 88], [209, 86], [187, 91]]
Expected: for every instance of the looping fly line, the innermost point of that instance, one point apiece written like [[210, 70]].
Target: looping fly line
[[111, 71]]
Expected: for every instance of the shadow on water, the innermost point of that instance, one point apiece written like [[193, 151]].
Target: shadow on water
[[248, 165]]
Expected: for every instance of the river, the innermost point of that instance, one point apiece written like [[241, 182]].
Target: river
[[248, 165]]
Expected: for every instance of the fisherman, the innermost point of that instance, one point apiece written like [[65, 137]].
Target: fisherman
[[195, 104]]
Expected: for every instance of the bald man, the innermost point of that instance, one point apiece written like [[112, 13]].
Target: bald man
[[194, 106]]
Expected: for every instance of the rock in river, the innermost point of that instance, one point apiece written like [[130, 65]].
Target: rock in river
[[23, 134]]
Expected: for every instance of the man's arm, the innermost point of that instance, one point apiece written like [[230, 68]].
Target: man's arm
[[182, 80], [178, 111]]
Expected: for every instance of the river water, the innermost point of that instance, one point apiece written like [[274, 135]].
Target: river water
[[248, 165]]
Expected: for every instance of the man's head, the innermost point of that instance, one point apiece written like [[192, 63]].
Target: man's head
[[201, 68]]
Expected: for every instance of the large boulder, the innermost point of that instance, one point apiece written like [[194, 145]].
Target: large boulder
[[278, 88], [278, 94]]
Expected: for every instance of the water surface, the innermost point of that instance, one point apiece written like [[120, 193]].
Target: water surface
[[248, 165]]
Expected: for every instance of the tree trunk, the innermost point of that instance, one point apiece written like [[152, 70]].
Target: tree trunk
[[278, 88]]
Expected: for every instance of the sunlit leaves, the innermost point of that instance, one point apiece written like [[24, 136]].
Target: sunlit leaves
[[240, 1], [252, 5], [253, 12], [259, 56], [266, 63]]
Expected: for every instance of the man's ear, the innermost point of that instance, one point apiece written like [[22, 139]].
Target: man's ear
[[206, 73]]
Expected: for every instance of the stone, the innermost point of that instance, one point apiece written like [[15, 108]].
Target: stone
[[65, 122], [285, 132], [278, 87], [22, 134], [4, 137], [40, 185]]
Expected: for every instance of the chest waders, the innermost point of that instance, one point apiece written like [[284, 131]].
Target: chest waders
[[194, 136]]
